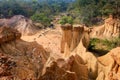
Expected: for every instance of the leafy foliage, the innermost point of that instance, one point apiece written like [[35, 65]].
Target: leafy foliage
[[98, 45], [41, 17], [27, 8], [83, 11], [90, 9], [66, 19], [38, 10]]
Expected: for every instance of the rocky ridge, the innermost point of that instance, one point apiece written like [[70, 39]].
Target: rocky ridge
[[20, 23], [26, 59], [110, 29]]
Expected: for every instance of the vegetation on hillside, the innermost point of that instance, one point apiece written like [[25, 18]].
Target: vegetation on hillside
[[42, 18], [38, 10], [84, 11], [103, 46], [28, 8], [91, 11]]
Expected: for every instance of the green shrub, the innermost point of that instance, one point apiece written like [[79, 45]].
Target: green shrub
[[66, 19], [103, 46], [42, 18]]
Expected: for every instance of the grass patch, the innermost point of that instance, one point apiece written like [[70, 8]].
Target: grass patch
[[101, 47]]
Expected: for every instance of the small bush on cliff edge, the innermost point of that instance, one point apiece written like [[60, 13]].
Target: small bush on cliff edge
[[66, 19]]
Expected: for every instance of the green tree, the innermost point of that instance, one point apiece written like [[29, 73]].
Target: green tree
[[42, 18], [91, 9]]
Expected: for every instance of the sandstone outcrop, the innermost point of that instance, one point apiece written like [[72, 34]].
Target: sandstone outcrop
[[72, 68], [21, 23], [22, 60], [72, 36], [75, 40], [29, 58], [77, 62], [66, 66], [8, 34], [110, 29], [109, 65]]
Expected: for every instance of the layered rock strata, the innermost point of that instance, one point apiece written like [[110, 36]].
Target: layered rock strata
[[75, 40], [110, 29]]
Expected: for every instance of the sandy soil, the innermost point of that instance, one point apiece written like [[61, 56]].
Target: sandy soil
[[49, 38]]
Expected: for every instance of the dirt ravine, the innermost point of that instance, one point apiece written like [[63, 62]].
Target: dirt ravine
[[49, 38]]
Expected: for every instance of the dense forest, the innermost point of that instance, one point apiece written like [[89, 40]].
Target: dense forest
[[82, 11], [27, 8]]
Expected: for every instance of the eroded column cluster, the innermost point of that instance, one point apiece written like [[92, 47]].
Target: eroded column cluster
[[72, 37]]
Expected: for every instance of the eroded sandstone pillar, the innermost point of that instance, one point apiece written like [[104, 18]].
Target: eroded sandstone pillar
[[77, 31], [66, 37]]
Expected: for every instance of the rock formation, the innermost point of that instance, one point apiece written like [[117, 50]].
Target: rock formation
[[77, 62], [109, 65], [8, 34], [73, 36], [29, 61], [75, 42], [65, 66], [21, 23], [110, 29], [5, 67], [66, 38], [20, 60], [28, 58], [72, 68]]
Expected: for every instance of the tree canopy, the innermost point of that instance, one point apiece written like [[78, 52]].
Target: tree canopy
[[27, 8], [82, 11], [90, 9]]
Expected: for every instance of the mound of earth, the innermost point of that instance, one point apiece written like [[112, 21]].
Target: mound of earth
[[21, 23], [20, 60]]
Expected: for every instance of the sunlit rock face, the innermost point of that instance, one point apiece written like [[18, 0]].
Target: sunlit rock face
[[67, 65], [72, 68], [28, 58], [75, 41], [109, 68], [20, 23], [73, 36], [110, 29]]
